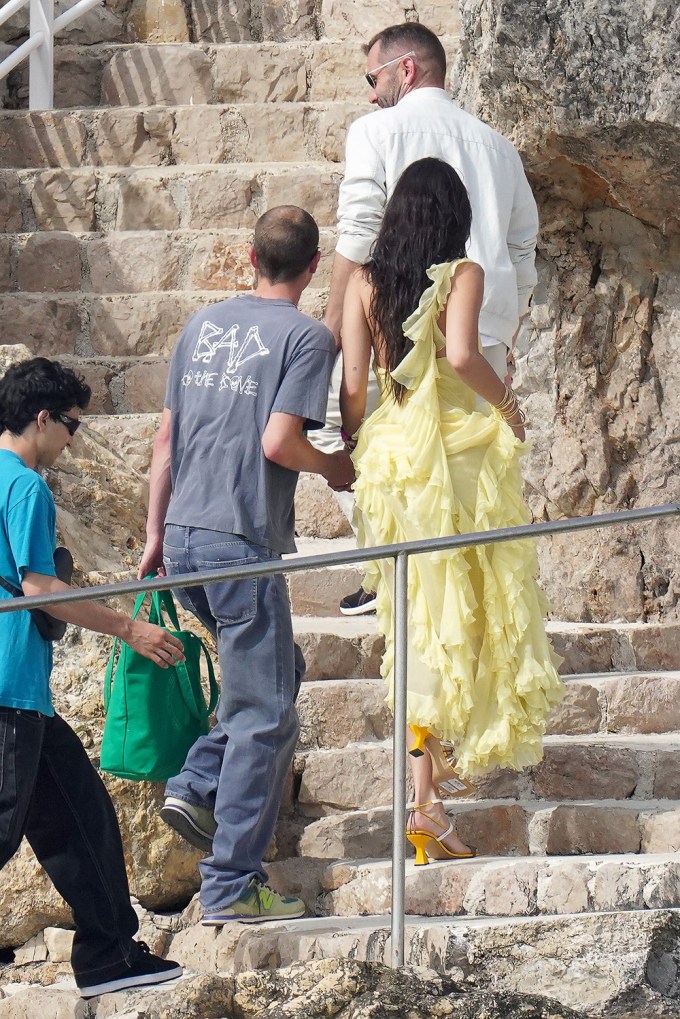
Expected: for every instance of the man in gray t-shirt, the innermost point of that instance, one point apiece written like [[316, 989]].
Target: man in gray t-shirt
[[235, 364], [248, 377]]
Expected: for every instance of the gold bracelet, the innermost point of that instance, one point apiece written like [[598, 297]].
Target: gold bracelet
[[510, 414], [509, 407], [508, 400]]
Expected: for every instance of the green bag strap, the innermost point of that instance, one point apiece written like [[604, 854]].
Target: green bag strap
[[115, 650], [160, 601], [108, 678], [163, 600], [192, 698]]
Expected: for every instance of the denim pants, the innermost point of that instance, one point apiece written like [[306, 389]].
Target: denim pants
[[50, 793], [239, 769]]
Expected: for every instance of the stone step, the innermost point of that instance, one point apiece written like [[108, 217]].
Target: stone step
[[582, 960], [318, 592], [186, 74], [348, 647], [497, 886], [505, 828], [101, 200], [214, 21], [336, 712], [574, 768], [182, 135], [561, 967], [139, 261]]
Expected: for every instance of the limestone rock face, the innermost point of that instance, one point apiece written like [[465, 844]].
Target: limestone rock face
[[346, 988], [589, 96], [102, 503], [338, 987]]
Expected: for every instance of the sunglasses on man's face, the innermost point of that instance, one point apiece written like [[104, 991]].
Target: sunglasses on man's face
[[72, 424], [371, 75]]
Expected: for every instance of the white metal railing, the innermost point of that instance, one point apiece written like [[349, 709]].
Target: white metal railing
[[39, 47], [400, 554]]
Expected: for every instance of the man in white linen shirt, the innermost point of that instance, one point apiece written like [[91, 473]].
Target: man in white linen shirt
[[406, 67]]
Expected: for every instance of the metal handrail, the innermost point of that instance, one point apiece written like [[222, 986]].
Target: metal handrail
[[400, 553], [357, 555], [39, 46]]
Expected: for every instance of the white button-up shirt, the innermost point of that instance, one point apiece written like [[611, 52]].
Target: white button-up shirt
[[426, 122]]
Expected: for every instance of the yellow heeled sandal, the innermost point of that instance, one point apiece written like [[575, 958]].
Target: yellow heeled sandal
[[429, 846], [420, 734]]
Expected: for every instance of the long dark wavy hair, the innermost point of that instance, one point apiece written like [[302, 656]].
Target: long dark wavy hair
[[427, 221]]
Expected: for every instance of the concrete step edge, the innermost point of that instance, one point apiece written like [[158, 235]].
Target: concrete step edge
[[530, 806], [644, 742], [364, 625]]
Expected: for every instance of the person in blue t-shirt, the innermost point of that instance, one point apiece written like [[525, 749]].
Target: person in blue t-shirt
[[49, 790]]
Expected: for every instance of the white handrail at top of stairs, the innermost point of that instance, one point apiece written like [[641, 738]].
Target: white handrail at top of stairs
[[39, 46]]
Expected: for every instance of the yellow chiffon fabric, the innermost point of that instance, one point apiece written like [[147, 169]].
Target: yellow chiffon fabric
[[481, 671]]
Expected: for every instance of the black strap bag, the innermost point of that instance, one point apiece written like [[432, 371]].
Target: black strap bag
[[49, 628]]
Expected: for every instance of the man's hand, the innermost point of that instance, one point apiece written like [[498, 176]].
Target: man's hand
[[155, 643], [152, 559], [339, 470]]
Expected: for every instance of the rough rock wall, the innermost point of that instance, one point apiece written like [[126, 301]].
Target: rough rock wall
[[590, 93]]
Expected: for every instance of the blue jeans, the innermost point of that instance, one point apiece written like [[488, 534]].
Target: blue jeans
[[239, 769], [50, 793]]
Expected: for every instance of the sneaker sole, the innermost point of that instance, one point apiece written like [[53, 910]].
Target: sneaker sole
[[185, 826], [123, 983], [220, 920], [360, 610]]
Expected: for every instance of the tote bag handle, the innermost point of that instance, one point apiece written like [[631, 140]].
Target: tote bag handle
[[163, 600], [193, 697]]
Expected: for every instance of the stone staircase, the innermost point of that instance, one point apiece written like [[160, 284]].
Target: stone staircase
[[121, 214], [592, 828]]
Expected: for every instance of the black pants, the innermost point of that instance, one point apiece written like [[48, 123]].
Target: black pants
[[50, 793]]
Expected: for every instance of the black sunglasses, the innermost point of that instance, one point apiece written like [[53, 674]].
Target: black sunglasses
[[72, 424]]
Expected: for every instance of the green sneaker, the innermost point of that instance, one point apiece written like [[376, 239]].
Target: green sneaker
[[258, 904]]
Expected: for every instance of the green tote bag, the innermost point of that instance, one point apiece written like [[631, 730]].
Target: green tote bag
[[154, 715]]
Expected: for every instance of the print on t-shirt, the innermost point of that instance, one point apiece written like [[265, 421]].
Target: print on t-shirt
[[211, 339]]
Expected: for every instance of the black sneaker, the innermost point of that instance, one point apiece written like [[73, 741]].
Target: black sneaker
[[358, 604], [143, 968]]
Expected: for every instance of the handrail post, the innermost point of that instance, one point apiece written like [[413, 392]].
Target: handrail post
[[399, 757], [41, 67]]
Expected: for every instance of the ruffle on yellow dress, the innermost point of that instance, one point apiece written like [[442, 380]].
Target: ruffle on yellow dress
[[481, 671]]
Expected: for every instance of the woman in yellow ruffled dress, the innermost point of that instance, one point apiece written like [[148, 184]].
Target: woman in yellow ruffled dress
[[441, 456]]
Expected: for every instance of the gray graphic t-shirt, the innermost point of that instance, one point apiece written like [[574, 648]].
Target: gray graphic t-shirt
[[235, 364]]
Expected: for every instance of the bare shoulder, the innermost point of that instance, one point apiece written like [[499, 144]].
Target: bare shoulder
[[470, 271], [359, 286], [359, 279], [469, 279]]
